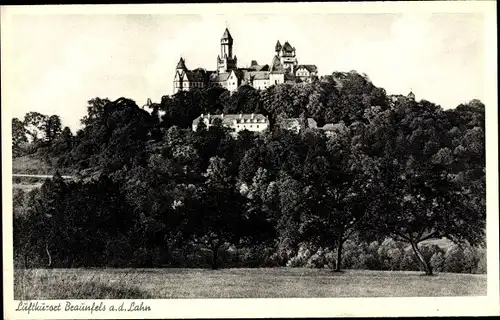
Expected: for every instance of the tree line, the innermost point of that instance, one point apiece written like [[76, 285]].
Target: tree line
[[151, 192]]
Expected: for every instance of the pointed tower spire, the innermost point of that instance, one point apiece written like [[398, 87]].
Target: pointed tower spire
[[227, 35], [278, 47], [411, 95], [181, 64]]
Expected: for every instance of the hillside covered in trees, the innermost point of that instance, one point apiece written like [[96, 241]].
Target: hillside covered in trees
[[150, 192]]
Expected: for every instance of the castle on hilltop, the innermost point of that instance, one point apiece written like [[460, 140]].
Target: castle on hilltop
[[284, 68]]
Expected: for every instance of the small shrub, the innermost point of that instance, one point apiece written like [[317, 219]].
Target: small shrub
[[146, 257], [330, 258], [428, 250], [454, 259], [369, 261], [300, 260], [481, 264], [437, 261], [390, 254], [409, 262], [471, 259], [317, 260], [351, 255], [296, 262]]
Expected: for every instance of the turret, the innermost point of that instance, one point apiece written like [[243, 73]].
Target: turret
[[226, 36], [181, 65], [278, 48], [411, 96], [226, 61], [226, 44]]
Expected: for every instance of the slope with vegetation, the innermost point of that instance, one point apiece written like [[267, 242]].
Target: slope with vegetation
[[395, 174]]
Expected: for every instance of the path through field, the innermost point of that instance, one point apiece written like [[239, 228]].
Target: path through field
[[238, 283], [40, 176]]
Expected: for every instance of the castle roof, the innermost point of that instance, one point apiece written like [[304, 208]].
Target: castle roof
[[260, 75], [257, 67], [287, 47], [339, 127], [309, 67], [197, 75], [278, 46], [291, 122], [328, 127], [248, 74], [219, 77], [226, 35], [181, 64], [229, 119]]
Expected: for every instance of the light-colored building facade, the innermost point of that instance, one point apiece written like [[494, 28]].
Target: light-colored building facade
[[238, 122], [284, 68], [297, 124]]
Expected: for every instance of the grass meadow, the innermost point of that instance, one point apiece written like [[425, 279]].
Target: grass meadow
[[238, 283]]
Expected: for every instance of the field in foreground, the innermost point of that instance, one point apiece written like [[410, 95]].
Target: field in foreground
[[237, 283]]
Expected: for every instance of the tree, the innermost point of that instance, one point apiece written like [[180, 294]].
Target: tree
[[95, 110], [418, 198], [34, 123], [90, 141], [292, 205], [212, 99], [259, 221], [356, 93], [46, 211], [339, 190], [62, 147], [245, 100], [52, 128], [125, 128], [182, 108], [19, 139], [213, 210]]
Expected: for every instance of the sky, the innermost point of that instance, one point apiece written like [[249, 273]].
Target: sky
[[60, 61]]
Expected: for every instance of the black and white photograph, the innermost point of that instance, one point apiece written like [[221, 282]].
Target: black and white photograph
[[250, 160]]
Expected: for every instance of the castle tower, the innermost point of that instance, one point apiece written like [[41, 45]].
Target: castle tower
[[278, 48], [411, 96], [181, 65], [180, 78], [226, 61], [288, 57]]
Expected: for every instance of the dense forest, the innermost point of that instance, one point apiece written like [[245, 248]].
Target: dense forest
[[150, 192]]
